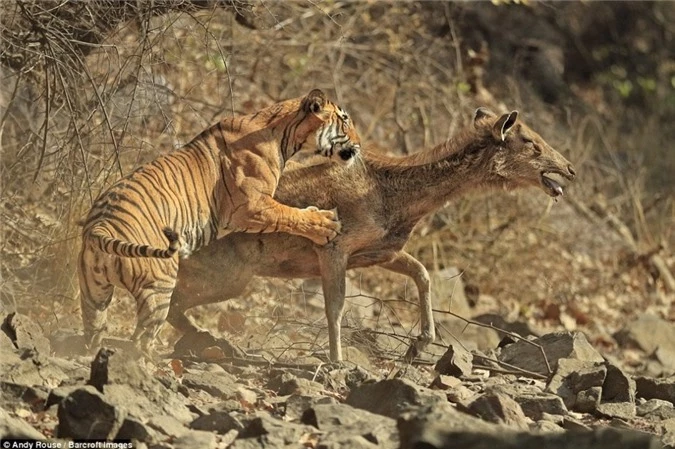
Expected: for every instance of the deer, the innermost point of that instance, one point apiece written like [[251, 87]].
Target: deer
[[380, 201]]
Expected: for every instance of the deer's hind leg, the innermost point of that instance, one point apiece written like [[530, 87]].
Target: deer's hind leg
[[404, 263]]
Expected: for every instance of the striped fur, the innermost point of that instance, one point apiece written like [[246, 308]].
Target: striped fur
[[222, 181]]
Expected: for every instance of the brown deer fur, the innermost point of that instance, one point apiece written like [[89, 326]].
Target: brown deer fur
[[379, 201]]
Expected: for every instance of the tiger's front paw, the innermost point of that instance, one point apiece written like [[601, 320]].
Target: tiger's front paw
[[325, 225]]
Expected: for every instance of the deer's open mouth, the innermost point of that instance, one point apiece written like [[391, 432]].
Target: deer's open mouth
[[552, 183]]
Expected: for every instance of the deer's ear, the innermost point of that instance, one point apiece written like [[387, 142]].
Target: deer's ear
[[315, 101], [480, 114], [503, 125]]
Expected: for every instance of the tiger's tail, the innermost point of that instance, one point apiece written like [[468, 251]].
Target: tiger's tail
[[111, 245]]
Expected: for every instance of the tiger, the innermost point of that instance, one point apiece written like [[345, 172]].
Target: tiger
[[222, 181]]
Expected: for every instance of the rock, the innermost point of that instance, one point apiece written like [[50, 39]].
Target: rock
[[456, 361], [441, 417], [338, 441], [444, 382], [338, 421], [35, 397], [220, 422], [555, 419], [201, 343], [286, 383], [220, 385], [599, 438], [661, 413], [167, 425], [355, 376], [618, 386], [296, 404], [248, 443], [666, 356], [300, 386], [154, 400], [160, 392], [277, 433], [650, 388], [32, 369], [77, 372], [472, 337], [460, 395], [534, 402], [545, 426], [15, 428], [56, 395], [535, 406], [347, 378], [227, 406], [651, 405], [648, 332], [668, 430], [621, 410], [67, 343], [449, 295], [247, 396], [6, 343], [499, 408], [392, 397], [25, 334], [588, 400], [227, 439], [357, 357], [556, 346], [573, 376], [414, 374], [574, 425], [521, 328], [87, 414], [133, 429], [192, 439]]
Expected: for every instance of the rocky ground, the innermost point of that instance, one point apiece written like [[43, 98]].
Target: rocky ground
[[553, 391]]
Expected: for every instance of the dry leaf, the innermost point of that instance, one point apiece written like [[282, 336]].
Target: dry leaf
[[177, 366]]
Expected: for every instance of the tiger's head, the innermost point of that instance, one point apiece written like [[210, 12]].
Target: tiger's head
[[325, 129]]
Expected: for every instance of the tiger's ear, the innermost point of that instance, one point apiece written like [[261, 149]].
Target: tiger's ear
[[315, 101], [503, 125]]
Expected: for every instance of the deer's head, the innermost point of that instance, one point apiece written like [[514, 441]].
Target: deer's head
[[520, 156]]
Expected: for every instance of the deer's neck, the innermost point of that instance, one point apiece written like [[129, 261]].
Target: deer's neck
[[421, 183]]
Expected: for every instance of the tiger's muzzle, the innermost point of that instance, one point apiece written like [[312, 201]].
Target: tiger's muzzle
[[349, 152]]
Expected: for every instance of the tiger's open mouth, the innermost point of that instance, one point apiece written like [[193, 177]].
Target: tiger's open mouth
[[553, 181]]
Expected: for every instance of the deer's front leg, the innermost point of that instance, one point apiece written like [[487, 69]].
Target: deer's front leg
[[268, 215], [333, 266], [406, 264]]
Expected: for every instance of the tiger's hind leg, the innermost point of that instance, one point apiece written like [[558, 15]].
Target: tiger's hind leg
[[95, 316], [96, 293], [153, 307]]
